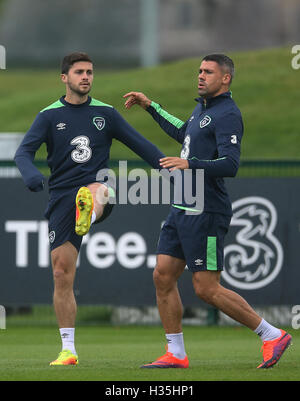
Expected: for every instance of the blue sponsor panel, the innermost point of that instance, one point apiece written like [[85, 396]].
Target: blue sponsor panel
[[117, 257], [261, 252]]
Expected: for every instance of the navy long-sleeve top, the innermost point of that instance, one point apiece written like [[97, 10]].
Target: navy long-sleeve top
[[78, 140], [211, 140]]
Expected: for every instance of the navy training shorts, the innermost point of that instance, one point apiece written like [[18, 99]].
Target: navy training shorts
[[196, 238], [60, 213]]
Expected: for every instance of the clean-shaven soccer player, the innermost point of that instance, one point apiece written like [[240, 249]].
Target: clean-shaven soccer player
[[211, 140], [78, 131]]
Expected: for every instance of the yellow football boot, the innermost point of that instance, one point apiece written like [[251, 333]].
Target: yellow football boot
[[65, 357], [84, 209]]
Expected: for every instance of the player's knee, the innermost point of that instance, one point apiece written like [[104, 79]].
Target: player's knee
[[59, 274], [60, 269], [163, 282], [205, 293]]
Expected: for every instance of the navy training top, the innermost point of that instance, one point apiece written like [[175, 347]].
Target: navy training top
[[78, 140], [211, 140]]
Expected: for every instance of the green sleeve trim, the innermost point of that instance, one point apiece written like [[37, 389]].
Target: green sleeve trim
[[172, 120], [213, 160], [190, 209], [54, 105], [95, 102], [211, 253]]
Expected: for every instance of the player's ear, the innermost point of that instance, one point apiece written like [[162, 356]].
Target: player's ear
[[63, 78], [226, 79]]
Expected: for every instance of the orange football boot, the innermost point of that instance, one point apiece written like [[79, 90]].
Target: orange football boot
[[273, 350], [168, 361]]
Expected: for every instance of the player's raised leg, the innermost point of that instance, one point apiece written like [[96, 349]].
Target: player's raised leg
[[64, 259], [90, 203], [166, 274]]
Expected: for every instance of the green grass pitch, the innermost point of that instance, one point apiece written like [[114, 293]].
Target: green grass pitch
[[110, 353], [266, 89]]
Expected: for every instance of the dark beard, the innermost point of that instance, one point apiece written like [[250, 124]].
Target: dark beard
[[78, 92]]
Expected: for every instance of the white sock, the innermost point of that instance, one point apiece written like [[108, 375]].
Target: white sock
[[93, 217], [176, 345], [67, 338], [266, 331]]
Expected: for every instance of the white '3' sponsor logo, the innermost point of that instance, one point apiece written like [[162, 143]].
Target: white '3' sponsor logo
[[83, 152], [255, 259]]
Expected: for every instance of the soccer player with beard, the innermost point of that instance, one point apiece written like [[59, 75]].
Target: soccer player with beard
[[78, 131], [211, 140]]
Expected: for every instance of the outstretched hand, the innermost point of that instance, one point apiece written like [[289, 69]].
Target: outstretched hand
[[138, 98]]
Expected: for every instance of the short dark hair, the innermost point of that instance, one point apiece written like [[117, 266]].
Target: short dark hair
[[223, 61], [72, 58]]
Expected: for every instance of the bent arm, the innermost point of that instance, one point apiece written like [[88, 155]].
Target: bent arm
[[228, 133], [223, 167], [172, 125], [25, 154]]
